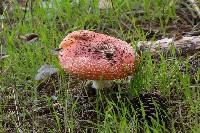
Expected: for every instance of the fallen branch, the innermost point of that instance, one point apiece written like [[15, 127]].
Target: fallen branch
[[183, 47]]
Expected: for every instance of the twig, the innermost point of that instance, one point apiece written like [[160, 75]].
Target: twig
[[17, 110], [16, 105]]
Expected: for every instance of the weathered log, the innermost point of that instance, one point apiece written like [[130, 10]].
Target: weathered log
[[183, 47]]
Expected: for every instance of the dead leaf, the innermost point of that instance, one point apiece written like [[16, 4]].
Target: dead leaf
[[45, 71], [32, 37]]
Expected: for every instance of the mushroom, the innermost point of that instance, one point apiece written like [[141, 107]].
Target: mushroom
[[98, 57]]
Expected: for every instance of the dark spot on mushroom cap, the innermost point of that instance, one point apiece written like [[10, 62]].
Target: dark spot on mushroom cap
[[109, 56]]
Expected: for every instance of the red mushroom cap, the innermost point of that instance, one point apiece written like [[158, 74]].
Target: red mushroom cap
[[96, 56]]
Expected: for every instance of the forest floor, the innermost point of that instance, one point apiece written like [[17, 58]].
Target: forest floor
[[36, 95]]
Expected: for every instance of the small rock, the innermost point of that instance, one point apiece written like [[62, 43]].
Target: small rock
[[53, 97], [45, 71]]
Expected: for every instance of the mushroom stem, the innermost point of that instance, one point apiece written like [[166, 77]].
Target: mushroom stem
[[99, 84], [129, 78]]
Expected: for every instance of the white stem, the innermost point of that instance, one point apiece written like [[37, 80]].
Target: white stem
[[100, 84], [129, 78]]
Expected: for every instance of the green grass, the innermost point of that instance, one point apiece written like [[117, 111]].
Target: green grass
[[52, 24]]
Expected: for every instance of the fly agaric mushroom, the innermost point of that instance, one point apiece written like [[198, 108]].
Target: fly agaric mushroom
[[96, 57]]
